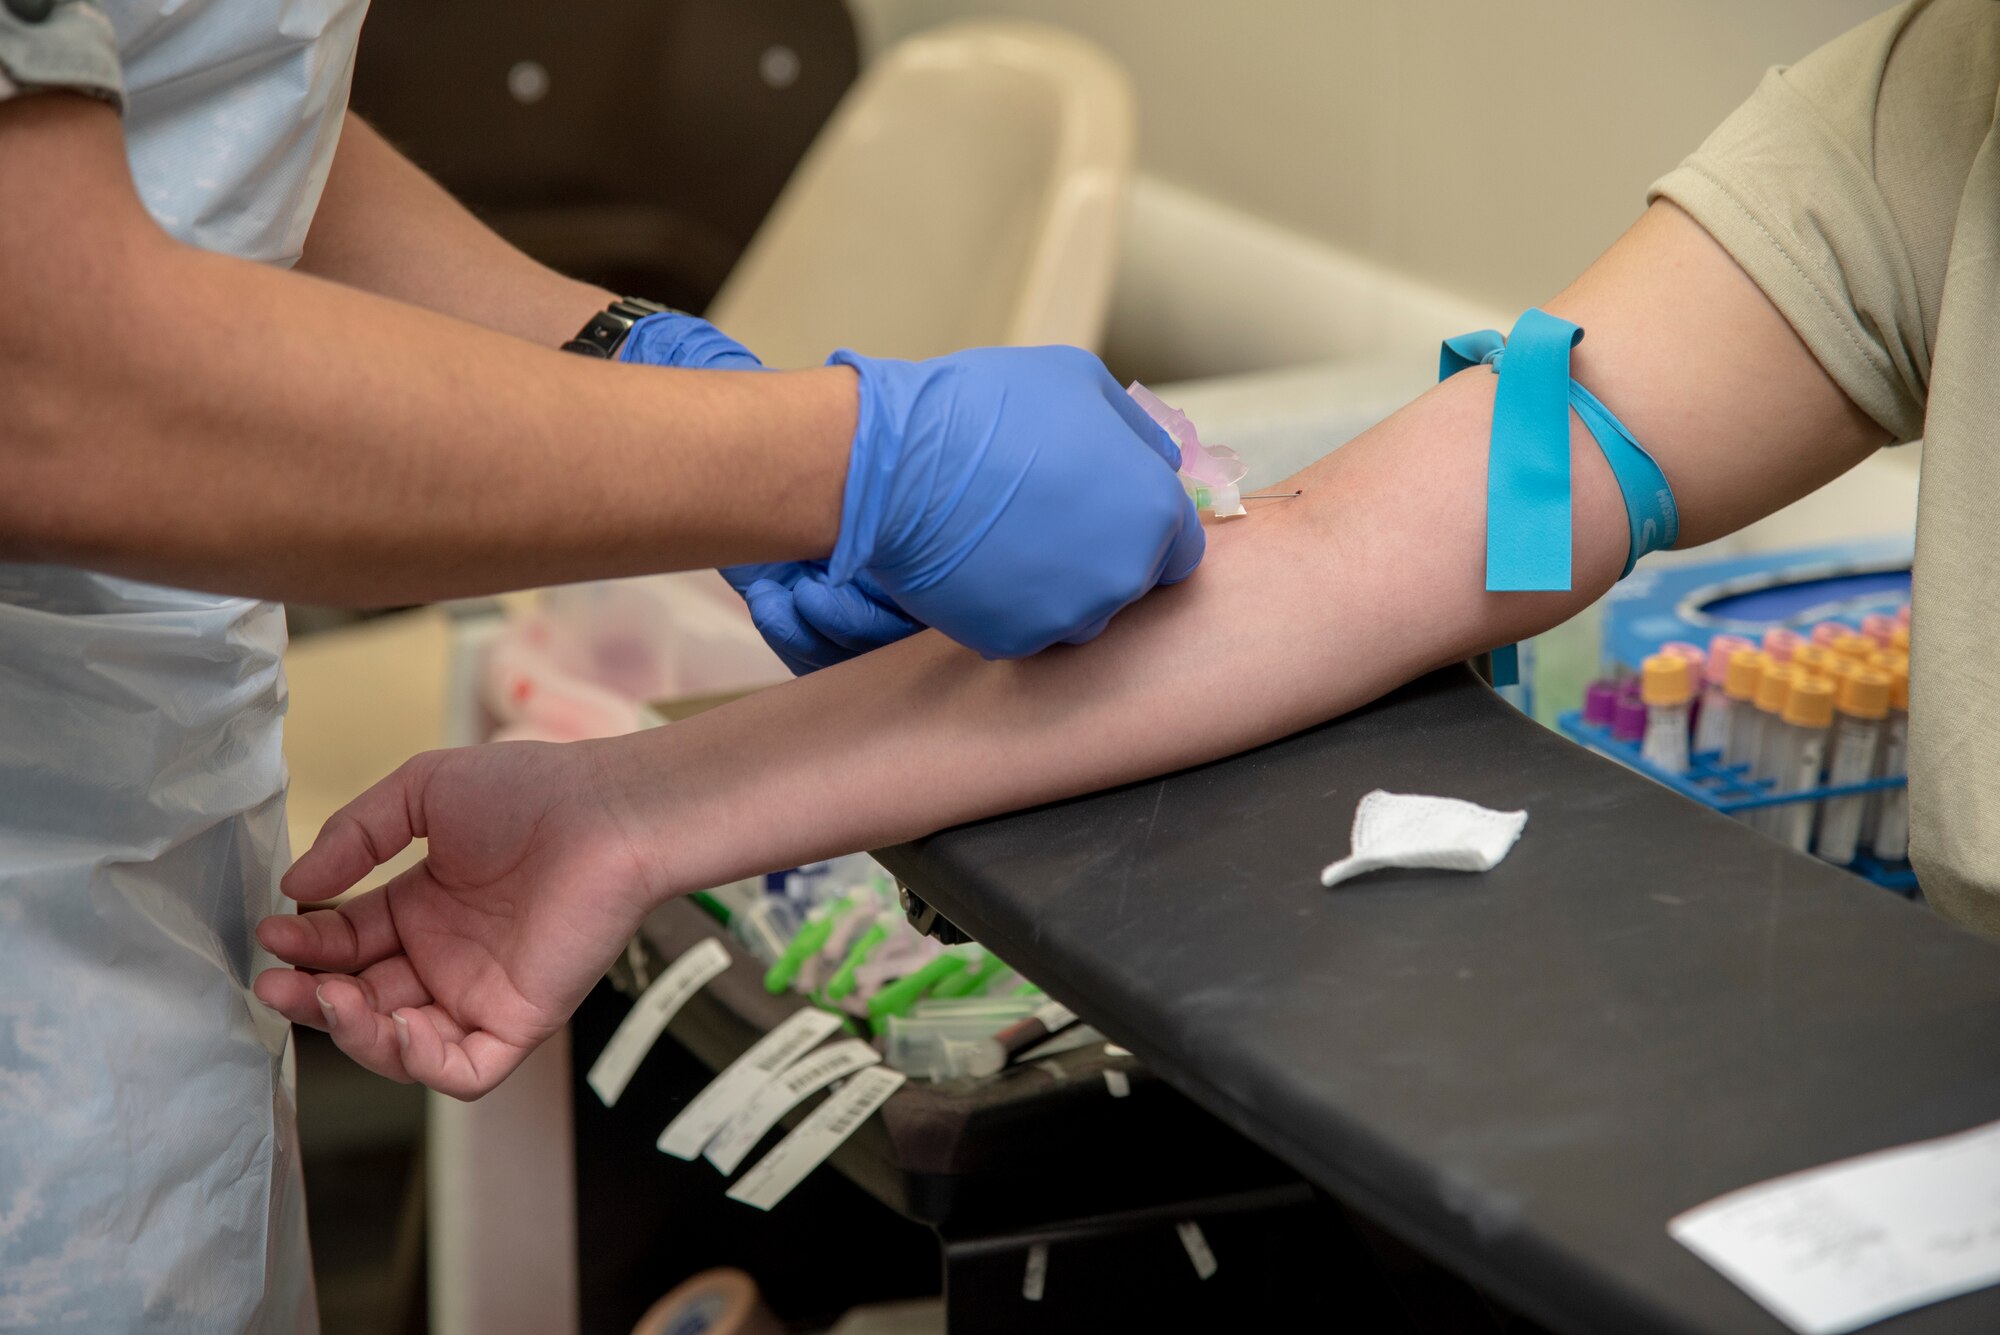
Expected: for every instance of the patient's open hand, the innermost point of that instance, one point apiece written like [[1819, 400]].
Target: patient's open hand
[[454, 971]]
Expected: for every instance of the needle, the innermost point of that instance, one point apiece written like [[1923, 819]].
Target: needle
[[1274, 496]]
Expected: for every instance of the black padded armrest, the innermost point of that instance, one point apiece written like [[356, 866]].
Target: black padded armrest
[[1527, 1071]]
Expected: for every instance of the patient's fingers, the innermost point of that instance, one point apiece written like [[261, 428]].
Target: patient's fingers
[[363, 1033], [351, 937], [442, 1056], [362, 835], [292, 995]]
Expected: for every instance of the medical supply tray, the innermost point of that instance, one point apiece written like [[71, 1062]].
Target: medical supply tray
[[1726, 788]]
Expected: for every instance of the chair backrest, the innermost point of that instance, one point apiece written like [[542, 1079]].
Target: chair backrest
[[967, 191], [636, 143]]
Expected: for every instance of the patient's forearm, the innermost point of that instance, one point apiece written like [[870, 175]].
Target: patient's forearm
[[1304, 611]]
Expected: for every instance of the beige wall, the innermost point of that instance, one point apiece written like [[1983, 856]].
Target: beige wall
[[1491, 148]]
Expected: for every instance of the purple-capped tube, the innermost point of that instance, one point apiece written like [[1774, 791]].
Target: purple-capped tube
[[1628, 720]]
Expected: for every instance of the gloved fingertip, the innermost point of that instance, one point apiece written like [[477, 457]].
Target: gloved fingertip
[[1090, 632], [849, 617], [1189, 546], [1152, 433]]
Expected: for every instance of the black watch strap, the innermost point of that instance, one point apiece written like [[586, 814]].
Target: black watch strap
[[606, 332]]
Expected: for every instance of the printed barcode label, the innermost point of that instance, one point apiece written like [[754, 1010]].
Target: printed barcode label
[[1197, 1248], [727, 1093], [649, 1017], [814, 1071], [1054, 1015], [1037, 1277], [774, 1176]]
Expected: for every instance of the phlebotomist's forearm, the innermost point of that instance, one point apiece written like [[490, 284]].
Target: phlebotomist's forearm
[[385, 227], [191, 418]]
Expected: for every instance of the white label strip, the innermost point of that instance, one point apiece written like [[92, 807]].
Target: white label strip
[[1834, 1248], [1197, 1248], [1116, 1082], [781, 1094], [742, 1078], [817, 1137], [650, 1015], [1036, 1278], [1054, 1015]]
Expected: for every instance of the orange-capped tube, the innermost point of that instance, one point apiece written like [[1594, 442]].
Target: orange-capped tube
[[1780, 643], [1802, 755], [1666, 680], [1855, 646], [1775, 687], [1852, 756], [1887, 819], [1666, 686], [1864, 693], [1810, 703], [1815, 658], [1746, 669]]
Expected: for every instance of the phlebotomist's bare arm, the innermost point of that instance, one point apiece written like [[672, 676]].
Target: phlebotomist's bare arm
[[196, 419]]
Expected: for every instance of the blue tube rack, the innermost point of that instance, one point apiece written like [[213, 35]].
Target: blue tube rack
[[1726, 788]]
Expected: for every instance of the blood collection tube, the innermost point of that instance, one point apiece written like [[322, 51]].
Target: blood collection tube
[[1859, 710], [1684, 649], [1895, 665], [1826, 632], [1600, 698], [1746, 669], [1815, 658], [1889, 661], [1773, 689], [1892, 821], [1779, 643], [1628, 719], [1711, 725], [1667, 687], [1808, 714], [1878, 626], [1857, 647]]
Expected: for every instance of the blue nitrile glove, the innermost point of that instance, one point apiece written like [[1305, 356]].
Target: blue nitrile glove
[[812, 622], [808, 619], [688, 341], [1014, 498]]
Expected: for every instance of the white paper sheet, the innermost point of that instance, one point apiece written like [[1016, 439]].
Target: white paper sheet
[[1835, 1248]]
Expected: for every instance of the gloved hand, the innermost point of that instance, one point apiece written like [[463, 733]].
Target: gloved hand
[[687, 341], [1014, 498], [808, 619], [813, 622]]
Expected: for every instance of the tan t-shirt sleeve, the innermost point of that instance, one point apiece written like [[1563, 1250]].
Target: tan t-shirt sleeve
[[1836, 187]]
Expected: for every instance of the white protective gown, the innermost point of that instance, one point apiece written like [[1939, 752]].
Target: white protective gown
[[149, 1175]]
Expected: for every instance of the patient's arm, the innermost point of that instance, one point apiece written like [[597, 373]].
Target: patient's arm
[[1302, 612], [542, 859]]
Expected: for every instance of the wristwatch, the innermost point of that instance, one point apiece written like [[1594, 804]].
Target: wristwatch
[[606, 332]]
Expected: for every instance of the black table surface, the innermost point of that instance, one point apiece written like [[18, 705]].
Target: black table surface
[[1528, 1071]]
